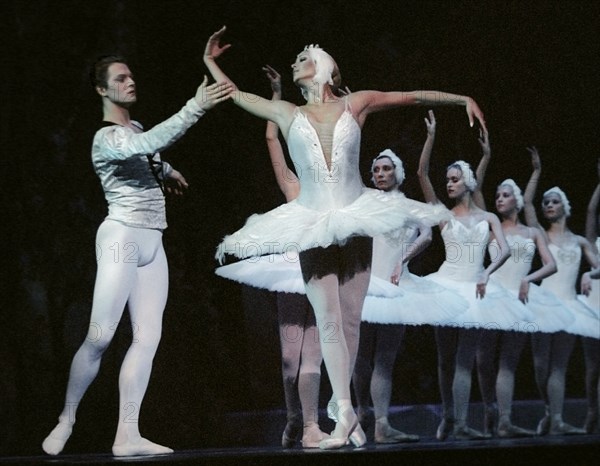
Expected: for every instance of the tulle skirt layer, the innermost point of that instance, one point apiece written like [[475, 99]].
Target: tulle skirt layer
[[549, 313], [294, 227], [497, 310], [282, 273], [587, 320], [422, 302]]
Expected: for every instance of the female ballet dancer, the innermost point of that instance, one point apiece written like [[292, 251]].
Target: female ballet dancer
[[334, 217], [383, 319], [516, 276], [466, 236], [132, 267], [591, 297], [552, 351], [300, 348]]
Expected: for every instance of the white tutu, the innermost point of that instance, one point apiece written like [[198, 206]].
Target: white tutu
[[294, 227], [592, 302], [422, 302], [465, 251], [497, 310], [563, 285], [282, 273], [593, 299], [587, 320], [549, 313]]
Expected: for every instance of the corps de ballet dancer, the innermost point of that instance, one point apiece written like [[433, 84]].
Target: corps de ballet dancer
[[466, 237], [590, 296], [552, 351], [517, 277], [385, 320]]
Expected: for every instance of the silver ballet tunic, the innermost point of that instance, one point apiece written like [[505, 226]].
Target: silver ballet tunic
[[121, 159]]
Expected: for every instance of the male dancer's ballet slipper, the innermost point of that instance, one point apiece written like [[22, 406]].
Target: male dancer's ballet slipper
[[55, 442], [141, 447]]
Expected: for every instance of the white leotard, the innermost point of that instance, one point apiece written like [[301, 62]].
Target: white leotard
[[563, 285], [550, 314], [333, 204], [464, 263]]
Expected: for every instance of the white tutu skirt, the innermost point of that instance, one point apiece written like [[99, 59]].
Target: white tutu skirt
[[294, 227], [282, 273], [587, 320], [550, 315], [498, 310], [593, 303], [422, 302], [593, 299]]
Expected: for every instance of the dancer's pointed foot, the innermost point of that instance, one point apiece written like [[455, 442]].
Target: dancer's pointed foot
[[543, 427], [508, 430], [562, 428], [347, 429], [467, 433], [312, 435], [445, 428], [384, 433], [56, 440], [140, 447], [591, 421], [290, 434], [358, 437]]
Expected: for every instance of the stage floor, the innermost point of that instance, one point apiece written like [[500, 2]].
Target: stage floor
[[260, 434], [581, 450]]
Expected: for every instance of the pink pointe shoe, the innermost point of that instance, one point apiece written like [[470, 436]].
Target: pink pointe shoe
[[354, 433], [357, 437]]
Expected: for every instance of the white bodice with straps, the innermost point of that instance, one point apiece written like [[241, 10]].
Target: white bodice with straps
[[563, 284], [422, 301], [333, 204], [465, 253], [550, 314]]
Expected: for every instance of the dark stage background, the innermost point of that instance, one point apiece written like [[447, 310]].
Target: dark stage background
[[532, 68]]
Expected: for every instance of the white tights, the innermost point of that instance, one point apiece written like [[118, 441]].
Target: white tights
[[591, 352], [132, 270], [336, 282], [456, 356], [500, 382], [339, 335], [372, 380], [551, 353]]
